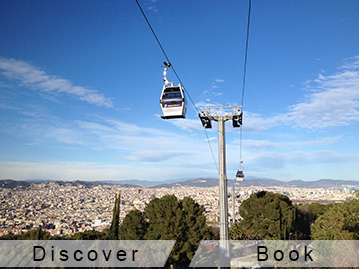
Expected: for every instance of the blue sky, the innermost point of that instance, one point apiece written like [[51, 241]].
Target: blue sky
[[80, 83]]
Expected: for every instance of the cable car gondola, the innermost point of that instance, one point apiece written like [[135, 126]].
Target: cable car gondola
[[173, 103], [239, 175]]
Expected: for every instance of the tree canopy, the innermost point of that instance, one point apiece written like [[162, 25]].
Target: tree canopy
[[36, 234], [183, 221], [267, 215], [307, 214], [340, 222], [133, 227], [114, 229]]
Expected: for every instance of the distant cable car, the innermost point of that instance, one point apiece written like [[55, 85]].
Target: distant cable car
[[239, 175], [173, 103]]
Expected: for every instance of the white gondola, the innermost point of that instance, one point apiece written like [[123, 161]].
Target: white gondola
[[239, 175], [173, 103]]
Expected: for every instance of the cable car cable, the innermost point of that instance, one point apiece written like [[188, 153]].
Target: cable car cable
[[153, 32], [244, 80], [165, 54], [174, 71], [246, 52]]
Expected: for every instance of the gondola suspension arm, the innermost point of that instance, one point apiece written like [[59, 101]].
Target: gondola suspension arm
[[165, 80]]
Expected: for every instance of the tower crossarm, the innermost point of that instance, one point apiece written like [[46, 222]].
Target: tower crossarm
[[208, 114]]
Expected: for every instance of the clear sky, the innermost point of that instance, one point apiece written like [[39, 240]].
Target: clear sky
[[80, 83]]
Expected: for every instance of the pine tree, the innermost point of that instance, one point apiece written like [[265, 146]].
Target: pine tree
[[133, 226], [183, 221], [165, 222], [165, 218], [307, 215], [340, 222], [114, 229], [235, 232], [268, 216], [195, 222]]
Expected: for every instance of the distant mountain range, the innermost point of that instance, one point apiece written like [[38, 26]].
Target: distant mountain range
[[211, 182], [9, 183], [198, 182], [144, 183]]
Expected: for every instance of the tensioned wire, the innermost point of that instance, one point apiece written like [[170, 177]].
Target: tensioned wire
[[244, 81], [179, 79]]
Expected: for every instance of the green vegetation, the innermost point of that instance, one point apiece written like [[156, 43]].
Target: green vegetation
[[115, 218], [134, 226], [36, 234], [236, 232], [339, 222], [266, 215], [272, 216], [183, 221], [89, 235], [307, 215]]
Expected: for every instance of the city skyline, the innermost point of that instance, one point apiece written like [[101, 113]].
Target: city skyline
[[55, 208], [80, 85]]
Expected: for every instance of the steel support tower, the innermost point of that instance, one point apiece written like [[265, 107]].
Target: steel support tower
[[234, 196], [221, 115]]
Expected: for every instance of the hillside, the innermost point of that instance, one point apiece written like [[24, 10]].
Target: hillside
[[211, 182], [10, 184], [198, 182]]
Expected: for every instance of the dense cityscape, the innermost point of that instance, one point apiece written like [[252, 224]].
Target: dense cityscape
[[64, 209]]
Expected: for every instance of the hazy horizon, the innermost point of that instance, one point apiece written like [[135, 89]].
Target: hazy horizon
[[175, 180]]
